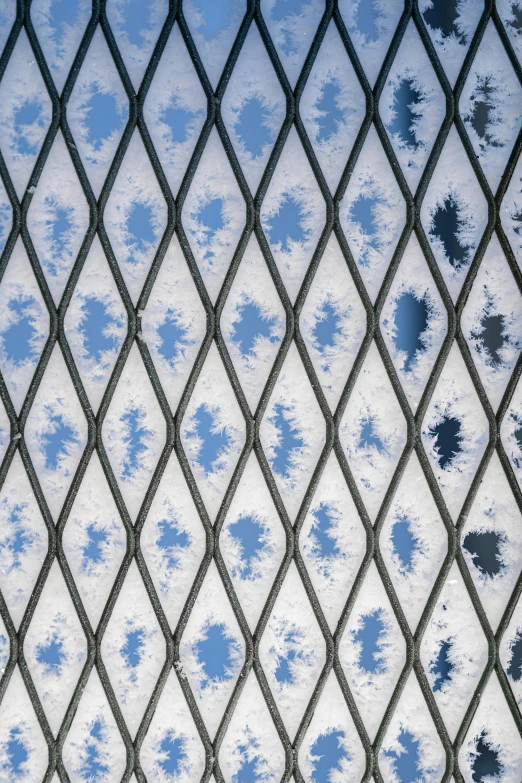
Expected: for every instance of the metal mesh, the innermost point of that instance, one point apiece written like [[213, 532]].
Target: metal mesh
[[173, 419]]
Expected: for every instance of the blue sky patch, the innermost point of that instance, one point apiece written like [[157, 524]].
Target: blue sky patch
[[514, 669], [136, 441], [447, 222], [447, 440], [93, 768], [443, 16], [95, 324], [214, 653], [172, 336], [214, 442], [406, 96], [216, 17], [248, 532], [329, 753], [140, 230], [132, 650], [283, 672], [136, 15], [20, 540], [52, 656], [371, 634], [406, 762], [404, 542], [484, 548], [211, 221], [286, 224], [173, 754], [411, 321], [56, 443], [17, 754], [289, 440], [25, 117], [486, 763], [368, 437], [331, 115], [18, 338], [171, 540], [103, 118], [367, 20], [441, 667], [252, 128], [322, 533], [326, 326], [179, 121], [93, 551], [251, 324], [62, 13]]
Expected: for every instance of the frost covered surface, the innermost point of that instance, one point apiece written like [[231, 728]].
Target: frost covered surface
[[213, 215], [134, 432], [292, 26], [253, 323], [451, 32], [251, 742], [331, 744], [411, 732], [214, 33], [252, 541], [372, 651], [253, 108], [454, 213], [60, 26], [333, 322], [455, 432], [58, 217], [452, 663], [133, 649], [94, 541], [292, 651], [212, 650], [332, 106], [510, 653], [372, 213], [490, 106], [175, 109], [136, 27], [293, 214], [24, 325], [413, 542], [213, 432], [55, 647], [292, 432], [412, 106], [173, 541], [492, 729], [332, 541], [172, 743], [95, 324], [374, 445], [414, 322], [20, 731]]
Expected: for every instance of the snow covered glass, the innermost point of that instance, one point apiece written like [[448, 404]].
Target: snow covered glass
[[260, 416]]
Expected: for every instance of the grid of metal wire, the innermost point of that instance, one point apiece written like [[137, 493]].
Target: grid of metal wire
[[254, 16]]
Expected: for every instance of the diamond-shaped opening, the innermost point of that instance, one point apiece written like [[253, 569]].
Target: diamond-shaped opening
[[332, 541], [174, 323], [213, 432], [510, 653], [372, 213], [172, 748], [24, 325], [332, 106], [453, 651], [333, 322], [134, 432], [292, 431], [492, 747], [175, 109], [293, 214], [136, 25], [492, 322], [213, 215], [454, 213], [253, 323], [55, 648], [414, 322], [455, 432], [213, 27], [490, 105], [331, 746], [253, 108], [451, 25], [93, 746], [251, 749], [26, 113], [292, 26], [133, 649], [413, 542], [173, 541], [212, 650], [491, 541], [23, 540], [371, 25], [252, 541], [6, 217], [411, 747], [97, 111], [372, 651], [373, 431], [412, 106], [56, 432], [94, 541], [58, 217], [292, 651], [59, 26], [135, 216], [95, 324], [23, 747]]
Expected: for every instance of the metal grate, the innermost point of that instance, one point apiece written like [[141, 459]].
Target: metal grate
[[173, 419]]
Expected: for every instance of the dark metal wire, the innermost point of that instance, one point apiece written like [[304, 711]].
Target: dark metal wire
[[253, 16]]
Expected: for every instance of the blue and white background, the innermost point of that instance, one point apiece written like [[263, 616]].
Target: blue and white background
[[260, 410]]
